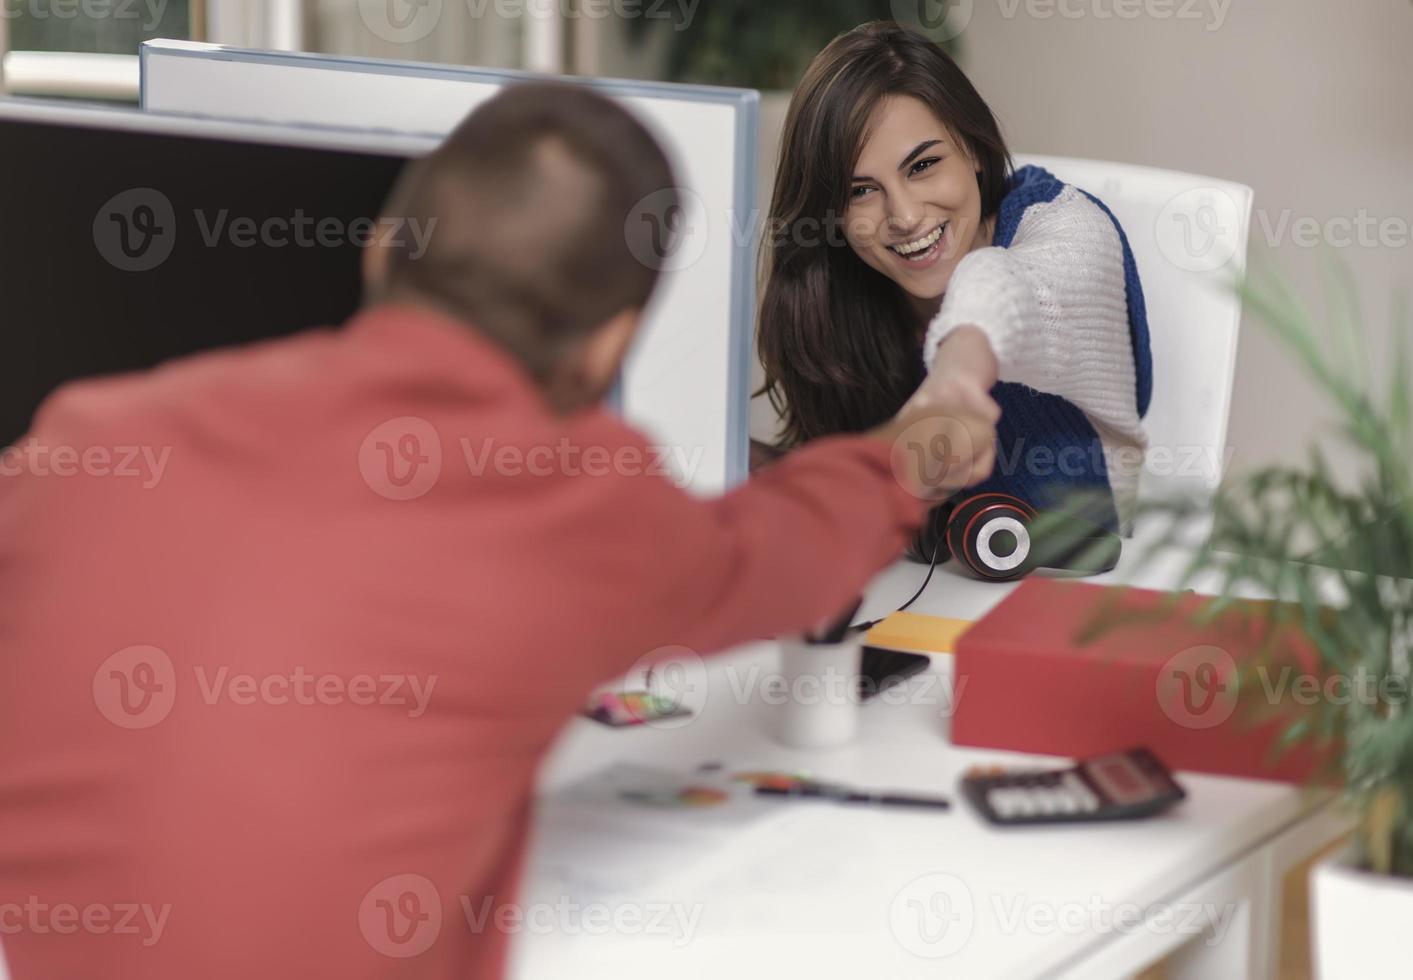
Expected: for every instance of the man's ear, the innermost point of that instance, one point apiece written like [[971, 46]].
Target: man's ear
[[606, 348], [588, 373], [376, 259]]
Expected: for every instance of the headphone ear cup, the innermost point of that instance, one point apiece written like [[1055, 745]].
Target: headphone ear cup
[[931, 541], [956, 529], [990, 535]]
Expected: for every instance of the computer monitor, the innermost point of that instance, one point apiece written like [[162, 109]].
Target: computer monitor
[[127, 240], [686, 383]]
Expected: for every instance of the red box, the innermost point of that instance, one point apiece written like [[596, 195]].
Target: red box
[[1162, 683]]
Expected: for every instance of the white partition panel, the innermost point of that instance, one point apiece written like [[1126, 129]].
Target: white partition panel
[[687, 383]]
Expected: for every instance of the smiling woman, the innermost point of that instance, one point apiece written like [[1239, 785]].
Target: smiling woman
[[1013, 290]]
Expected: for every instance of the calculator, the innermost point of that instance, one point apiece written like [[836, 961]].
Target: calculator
[[1122, 786]]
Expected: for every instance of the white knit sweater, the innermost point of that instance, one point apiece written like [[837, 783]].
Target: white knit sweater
[[1054, 307]]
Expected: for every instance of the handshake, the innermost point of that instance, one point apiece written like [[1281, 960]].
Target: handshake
[[944, 438]]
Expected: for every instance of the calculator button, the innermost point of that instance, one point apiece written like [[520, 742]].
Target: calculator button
[[1002, 802], [1025, 803], [1020, 804], [1088, 802], [1047, 802]]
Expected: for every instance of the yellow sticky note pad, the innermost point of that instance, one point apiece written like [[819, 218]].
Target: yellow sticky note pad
[[914, 631]]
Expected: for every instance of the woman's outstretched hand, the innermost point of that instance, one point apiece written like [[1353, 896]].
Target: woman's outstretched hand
[[965, 358]]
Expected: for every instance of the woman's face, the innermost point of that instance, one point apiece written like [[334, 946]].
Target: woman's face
[[914, 204]]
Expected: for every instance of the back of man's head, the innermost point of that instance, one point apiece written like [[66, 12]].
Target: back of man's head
[[532, 197]]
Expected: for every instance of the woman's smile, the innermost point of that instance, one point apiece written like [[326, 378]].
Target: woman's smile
[[922, 253]]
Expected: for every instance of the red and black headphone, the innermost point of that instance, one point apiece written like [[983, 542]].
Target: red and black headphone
[[998, 538], [994, 536]]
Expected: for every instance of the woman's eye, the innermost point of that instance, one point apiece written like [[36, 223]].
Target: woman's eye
[[859, 192], [923, 165]]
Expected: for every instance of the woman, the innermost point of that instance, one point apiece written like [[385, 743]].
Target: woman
[[903, 244]]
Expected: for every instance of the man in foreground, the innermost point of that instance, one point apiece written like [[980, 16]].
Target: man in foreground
[[265, 718]]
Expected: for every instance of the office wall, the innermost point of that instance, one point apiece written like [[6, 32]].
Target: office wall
[[461, 33], [247, 23]]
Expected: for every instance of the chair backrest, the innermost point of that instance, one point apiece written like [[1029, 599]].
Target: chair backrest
[[1189, 237]]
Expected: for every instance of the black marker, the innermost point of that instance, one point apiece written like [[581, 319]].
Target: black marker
[[837, 628], [838, 794]]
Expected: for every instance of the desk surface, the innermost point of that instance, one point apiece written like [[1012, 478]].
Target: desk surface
[[820, 890]]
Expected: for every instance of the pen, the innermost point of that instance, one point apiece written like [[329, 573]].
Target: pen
[[838, 794], [837, 628]]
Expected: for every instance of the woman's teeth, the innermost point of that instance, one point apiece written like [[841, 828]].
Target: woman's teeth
[[918, 250]]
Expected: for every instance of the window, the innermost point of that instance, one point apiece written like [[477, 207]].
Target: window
[[93, 26], [83, 48]]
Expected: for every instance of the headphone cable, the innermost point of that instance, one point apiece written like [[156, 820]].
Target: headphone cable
[[932, 567]]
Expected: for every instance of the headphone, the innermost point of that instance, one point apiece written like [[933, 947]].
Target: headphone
[[998, 538], [994, 537]]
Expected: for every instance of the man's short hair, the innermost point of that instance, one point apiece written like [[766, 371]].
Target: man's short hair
[[544, 197]]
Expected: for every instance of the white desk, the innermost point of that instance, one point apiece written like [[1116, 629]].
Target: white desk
[[821, 891]]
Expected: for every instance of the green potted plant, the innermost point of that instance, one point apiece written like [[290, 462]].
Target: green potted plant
[[1337, 549], [764, 45]]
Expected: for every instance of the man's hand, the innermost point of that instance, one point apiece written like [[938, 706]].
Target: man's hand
[[943, 440], [945, 436]]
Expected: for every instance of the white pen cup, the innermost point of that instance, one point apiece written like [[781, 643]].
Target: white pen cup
[[820, 694]]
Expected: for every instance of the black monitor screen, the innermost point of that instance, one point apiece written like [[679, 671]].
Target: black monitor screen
[[121, 249]]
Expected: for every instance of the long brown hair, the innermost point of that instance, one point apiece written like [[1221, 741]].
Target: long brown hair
[[839, 340]]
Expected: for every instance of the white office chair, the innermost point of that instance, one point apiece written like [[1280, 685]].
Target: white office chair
[[1189, 237]]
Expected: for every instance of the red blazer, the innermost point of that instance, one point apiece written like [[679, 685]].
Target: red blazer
[[286, 630]]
